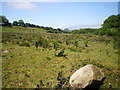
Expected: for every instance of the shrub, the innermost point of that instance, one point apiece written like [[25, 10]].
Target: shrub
[[61, 54], [24, 43], [66, 42], [76, 43], [55, 45], [86, 43], [43, 43], [36, 44]]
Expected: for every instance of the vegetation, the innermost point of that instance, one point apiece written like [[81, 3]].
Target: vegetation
[[5, 22], [109, 27], [34, 58]]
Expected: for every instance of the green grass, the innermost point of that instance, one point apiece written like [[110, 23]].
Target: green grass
[[74, 50], [24, 67], [16, 29]]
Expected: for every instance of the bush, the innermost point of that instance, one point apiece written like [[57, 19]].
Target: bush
[[76, 43], [24, 43], [61, 54], [115, 43], [43, 43], [101, 33], [55, 45], [86, 43], [108, 32], [66, 42], [96, 32]]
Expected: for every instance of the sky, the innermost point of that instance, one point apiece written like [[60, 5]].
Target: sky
[[72, 15]]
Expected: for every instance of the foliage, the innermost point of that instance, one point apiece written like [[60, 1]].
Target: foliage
[[86, 43], [76, 43], [113, 76], [24, 43], [43, 42], [67, 43], [4, 21], [36, 44], [109, 27], [55, 45], [61, 53], [112, 22], [82, 31], [116, 43], [15, 23], [21, 22]]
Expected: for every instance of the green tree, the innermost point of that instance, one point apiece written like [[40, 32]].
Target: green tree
[[21, 22], [112, 21], [4, 21], [110, 26], [15, 23]]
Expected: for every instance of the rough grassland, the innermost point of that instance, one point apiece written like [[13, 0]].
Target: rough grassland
[[24, 67]]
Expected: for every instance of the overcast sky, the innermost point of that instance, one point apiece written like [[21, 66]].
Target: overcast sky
[[72, 15]]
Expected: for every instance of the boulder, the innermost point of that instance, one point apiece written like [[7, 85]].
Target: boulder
[[88, 76]]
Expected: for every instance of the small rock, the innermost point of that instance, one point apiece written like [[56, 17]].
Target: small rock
[[6, 51]]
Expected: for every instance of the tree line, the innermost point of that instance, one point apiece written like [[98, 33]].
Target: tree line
[[109, 27], [5, 22]]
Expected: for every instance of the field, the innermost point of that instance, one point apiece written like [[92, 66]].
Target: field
[[25, 66]]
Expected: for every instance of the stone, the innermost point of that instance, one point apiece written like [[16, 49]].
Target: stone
[[88, 76], [6, 51]]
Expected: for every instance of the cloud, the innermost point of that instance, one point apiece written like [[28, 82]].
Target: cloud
[[22, 5], [84, 26]]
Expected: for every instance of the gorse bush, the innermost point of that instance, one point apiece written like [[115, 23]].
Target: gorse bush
[[55, 45], [24, 43], [116, 43], [36, 44], [67, 42], [76, 43], [61, 54], [86, 43], [43, 43]]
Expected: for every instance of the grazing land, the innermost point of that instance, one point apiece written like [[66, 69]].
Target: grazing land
[[25, 65]]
